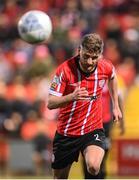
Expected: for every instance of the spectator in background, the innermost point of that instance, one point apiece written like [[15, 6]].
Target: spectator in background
[[4, 154], [4, 115], [129, 46], [40, 132], [6, 70], [90, 13], [128, 71]]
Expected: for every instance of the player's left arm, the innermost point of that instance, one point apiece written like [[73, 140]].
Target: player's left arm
[[122, 121], [113, 88]]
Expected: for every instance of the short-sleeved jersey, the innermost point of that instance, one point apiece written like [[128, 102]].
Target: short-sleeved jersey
[[83, 116]]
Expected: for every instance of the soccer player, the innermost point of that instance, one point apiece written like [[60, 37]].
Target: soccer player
[[76, 89]]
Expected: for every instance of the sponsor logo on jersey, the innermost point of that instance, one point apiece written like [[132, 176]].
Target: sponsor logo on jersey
[[55, 82], [53, 86]]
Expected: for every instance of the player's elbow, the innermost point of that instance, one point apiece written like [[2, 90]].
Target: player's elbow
[[53, 102], [50, 106], [50, 103]]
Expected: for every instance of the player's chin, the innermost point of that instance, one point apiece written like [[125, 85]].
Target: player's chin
[[88, 70]]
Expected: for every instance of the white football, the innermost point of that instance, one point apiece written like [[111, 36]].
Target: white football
[[35, 27]]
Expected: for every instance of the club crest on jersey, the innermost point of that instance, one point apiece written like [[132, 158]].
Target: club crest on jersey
[[55, 82], [101, 83]]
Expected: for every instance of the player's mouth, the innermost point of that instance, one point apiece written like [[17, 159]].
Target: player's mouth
[[89, 68]]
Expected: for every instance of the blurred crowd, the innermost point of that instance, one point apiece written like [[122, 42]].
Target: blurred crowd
[[26, 70]]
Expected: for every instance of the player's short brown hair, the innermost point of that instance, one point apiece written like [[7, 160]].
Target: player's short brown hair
[[92, 43]]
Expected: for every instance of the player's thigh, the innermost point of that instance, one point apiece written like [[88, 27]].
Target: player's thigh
[[65, 151], [93, 155], [94, 146], [61, 173]]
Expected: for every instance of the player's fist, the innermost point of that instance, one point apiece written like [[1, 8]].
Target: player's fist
[[80, 93]]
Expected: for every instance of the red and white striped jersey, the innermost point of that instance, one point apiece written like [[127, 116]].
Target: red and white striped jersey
[[83, 116]]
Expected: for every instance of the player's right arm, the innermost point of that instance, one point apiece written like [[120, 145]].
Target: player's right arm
[[57, 97], [57, 102]]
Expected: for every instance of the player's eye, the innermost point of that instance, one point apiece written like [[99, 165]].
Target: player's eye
[[94, 57], [85, 56]]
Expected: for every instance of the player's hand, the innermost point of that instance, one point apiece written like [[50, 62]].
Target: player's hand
[[117, 114], [80, 93]]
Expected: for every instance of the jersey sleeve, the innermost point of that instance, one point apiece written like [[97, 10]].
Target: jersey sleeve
[[113, 73], [58, 83], [110, 70]]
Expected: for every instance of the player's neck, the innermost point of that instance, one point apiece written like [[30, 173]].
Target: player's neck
[[89, 72]]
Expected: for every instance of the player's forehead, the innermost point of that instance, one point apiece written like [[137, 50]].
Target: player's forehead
[[88, 52]]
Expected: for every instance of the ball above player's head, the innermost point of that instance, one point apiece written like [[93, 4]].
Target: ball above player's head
[[35, 27]]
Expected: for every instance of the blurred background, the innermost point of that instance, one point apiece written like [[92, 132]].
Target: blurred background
[[27, 127]]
